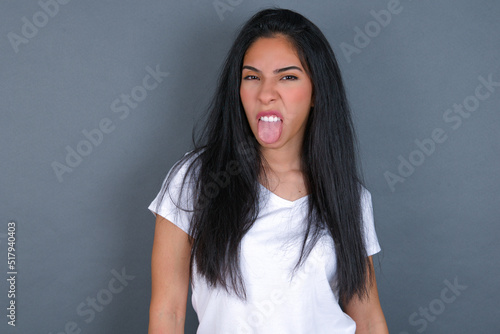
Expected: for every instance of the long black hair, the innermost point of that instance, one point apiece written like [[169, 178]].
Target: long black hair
[[226, 162]]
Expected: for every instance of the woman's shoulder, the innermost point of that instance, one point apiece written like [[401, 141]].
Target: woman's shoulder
[[189, 162], [365, 194]]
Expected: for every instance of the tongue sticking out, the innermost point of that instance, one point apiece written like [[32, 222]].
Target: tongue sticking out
[[270, 132]]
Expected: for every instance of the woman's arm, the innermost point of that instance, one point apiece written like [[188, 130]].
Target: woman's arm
[[367, 313], [169, 278]]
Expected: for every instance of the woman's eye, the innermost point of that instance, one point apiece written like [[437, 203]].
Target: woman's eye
[[290, 77], [250, 77]]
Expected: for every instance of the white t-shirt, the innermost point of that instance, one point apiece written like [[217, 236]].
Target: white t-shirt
[[307, 304]]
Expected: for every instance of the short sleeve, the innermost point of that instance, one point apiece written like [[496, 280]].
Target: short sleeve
[[371, 240], [175, 209]]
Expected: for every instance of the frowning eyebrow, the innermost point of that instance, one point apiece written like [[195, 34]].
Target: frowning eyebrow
[[279, 70]]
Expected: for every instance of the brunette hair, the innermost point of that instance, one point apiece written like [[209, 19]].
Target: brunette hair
[[221, 215]]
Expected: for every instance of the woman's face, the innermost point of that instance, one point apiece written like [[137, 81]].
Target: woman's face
[[274, 84]]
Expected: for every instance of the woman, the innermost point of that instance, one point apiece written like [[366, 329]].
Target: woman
[[267, 215]]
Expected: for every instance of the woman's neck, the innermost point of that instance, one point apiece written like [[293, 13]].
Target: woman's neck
[[282, 160]]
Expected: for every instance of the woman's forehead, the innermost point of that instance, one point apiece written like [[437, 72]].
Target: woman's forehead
[[274, 51]]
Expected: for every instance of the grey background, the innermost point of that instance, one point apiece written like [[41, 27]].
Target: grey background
[[440, 224]]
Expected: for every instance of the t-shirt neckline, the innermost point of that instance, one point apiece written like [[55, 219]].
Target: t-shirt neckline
[[283, 200]]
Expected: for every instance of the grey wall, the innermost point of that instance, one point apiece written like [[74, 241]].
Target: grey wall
[[414, 79]]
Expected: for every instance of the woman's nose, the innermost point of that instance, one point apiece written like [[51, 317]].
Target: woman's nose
[[267, 92]]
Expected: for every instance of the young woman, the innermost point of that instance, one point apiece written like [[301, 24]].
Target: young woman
[[267, 215]]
